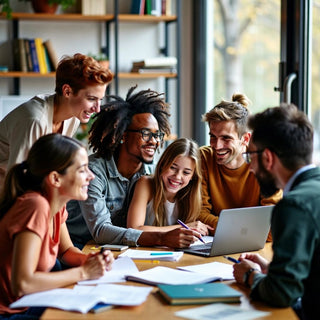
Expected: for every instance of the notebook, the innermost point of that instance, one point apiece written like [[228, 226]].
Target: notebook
[[199, 293], [238, 230]]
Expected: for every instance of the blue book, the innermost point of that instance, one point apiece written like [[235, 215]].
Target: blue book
[[34, 56], [199, 293], [137, 7], [100, 307]]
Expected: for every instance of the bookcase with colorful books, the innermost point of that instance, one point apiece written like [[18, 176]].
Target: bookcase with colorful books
[[25, 67], [34, 55]]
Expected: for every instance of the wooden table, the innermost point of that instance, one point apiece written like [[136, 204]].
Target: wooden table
[[156, 308]]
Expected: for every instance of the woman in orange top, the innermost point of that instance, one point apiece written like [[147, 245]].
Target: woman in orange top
[[33, 232]]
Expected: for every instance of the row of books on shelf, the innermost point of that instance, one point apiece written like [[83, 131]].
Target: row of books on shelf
[[34, 55], [151, 7], [155, 65]]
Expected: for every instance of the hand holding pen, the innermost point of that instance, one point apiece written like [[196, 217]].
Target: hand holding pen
[[186, 227], [231, 259], [107, 257]]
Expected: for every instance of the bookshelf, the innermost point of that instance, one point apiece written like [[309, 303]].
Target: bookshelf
[[116, 18]]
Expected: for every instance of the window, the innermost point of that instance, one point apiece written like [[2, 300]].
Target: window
[[246, 41]]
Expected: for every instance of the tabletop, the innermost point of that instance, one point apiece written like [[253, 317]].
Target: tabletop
[[156, 308]]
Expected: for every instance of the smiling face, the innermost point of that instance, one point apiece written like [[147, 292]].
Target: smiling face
[[138, 149], [75, 181], [177, 176], [86, 102], [225, 142]]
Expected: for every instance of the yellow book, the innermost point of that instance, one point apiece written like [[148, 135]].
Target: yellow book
[[41, 55]]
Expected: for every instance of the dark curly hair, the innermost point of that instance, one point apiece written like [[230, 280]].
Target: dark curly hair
[[116, 116]]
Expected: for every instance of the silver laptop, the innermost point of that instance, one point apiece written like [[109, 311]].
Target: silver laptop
[[238, 230]]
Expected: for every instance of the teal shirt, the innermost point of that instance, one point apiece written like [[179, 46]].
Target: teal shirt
[[295, 269]]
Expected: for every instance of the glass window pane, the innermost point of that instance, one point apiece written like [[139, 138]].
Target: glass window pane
[[246, 41], [314, 108]]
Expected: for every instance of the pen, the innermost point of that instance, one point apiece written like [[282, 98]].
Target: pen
[[232, 259], [102, 250], [185, 226], [160, 253]]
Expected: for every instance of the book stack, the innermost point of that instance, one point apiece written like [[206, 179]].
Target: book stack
[[34, 55], [151, 7], [94, 7], [155, 65]]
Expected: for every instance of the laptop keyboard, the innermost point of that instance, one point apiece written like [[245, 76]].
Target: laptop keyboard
[[206, 248]]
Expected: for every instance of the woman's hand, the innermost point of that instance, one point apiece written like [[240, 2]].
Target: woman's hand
[[179, 238], [96, 264], [200, 227]]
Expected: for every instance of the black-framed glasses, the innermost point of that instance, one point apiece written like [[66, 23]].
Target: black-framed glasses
[[147, 134], [247, 155]]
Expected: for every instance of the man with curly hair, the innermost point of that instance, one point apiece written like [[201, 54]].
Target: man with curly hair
[[124, 136]]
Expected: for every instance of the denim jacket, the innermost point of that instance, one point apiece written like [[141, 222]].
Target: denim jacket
[[103, 216]]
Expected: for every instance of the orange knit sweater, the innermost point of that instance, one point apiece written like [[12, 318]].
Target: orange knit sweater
[[224, 188]]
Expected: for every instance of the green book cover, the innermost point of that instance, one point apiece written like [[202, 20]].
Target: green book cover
[[199, 293]]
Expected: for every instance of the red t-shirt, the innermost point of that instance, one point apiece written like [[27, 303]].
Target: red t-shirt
[[30, 212]]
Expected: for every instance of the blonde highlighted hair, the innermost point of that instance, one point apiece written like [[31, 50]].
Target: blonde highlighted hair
[[187, 199], [236, 110]]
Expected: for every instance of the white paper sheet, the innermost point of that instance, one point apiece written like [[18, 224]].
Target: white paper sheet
[[120, 268], [84, 298], [166, 275], [218, 269], [220, 311], [206, 239], [152, 255]]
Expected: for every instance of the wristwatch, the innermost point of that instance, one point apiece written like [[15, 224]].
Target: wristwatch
[[247, 275]]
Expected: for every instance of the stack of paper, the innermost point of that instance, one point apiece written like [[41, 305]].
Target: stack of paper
[[120, 268], [164, 275], [85, 298], [152, 255], [222, 270]]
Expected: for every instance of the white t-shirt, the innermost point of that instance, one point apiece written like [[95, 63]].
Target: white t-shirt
[[171, 213]]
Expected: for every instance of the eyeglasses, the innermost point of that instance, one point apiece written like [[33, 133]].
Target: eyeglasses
[[147, 135], [247, 155]]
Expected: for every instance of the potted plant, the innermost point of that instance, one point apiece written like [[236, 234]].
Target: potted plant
[[101, 57], [49, 6]]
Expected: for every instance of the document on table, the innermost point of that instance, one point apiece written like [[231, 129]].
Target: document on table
[[221, 270], [164, 275], [206, 239], [84, 298], [152, 255], [120, 268], [220, 311]]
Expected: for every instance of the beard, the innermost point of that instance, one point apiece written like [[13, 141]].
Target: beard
[[266, 181]]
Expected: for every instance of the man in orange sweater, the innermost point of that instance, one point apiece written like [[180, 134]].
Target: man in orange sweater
[[227, 179]]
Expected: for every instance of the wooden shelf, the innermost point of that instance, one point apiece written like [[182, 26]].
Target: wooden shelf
[[80, 17], [145, 18], [61, 17], [134, 75], [19, 74], [121, 75]]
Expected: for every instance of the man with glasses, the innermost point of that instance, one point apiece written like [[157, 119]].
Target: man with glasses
[[227, 179], [281, 157], [124, 136]]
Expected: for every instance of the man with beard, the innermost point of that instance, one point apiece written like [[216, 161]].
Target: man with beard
[[280, 154], [227, 179], [124, 137]]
